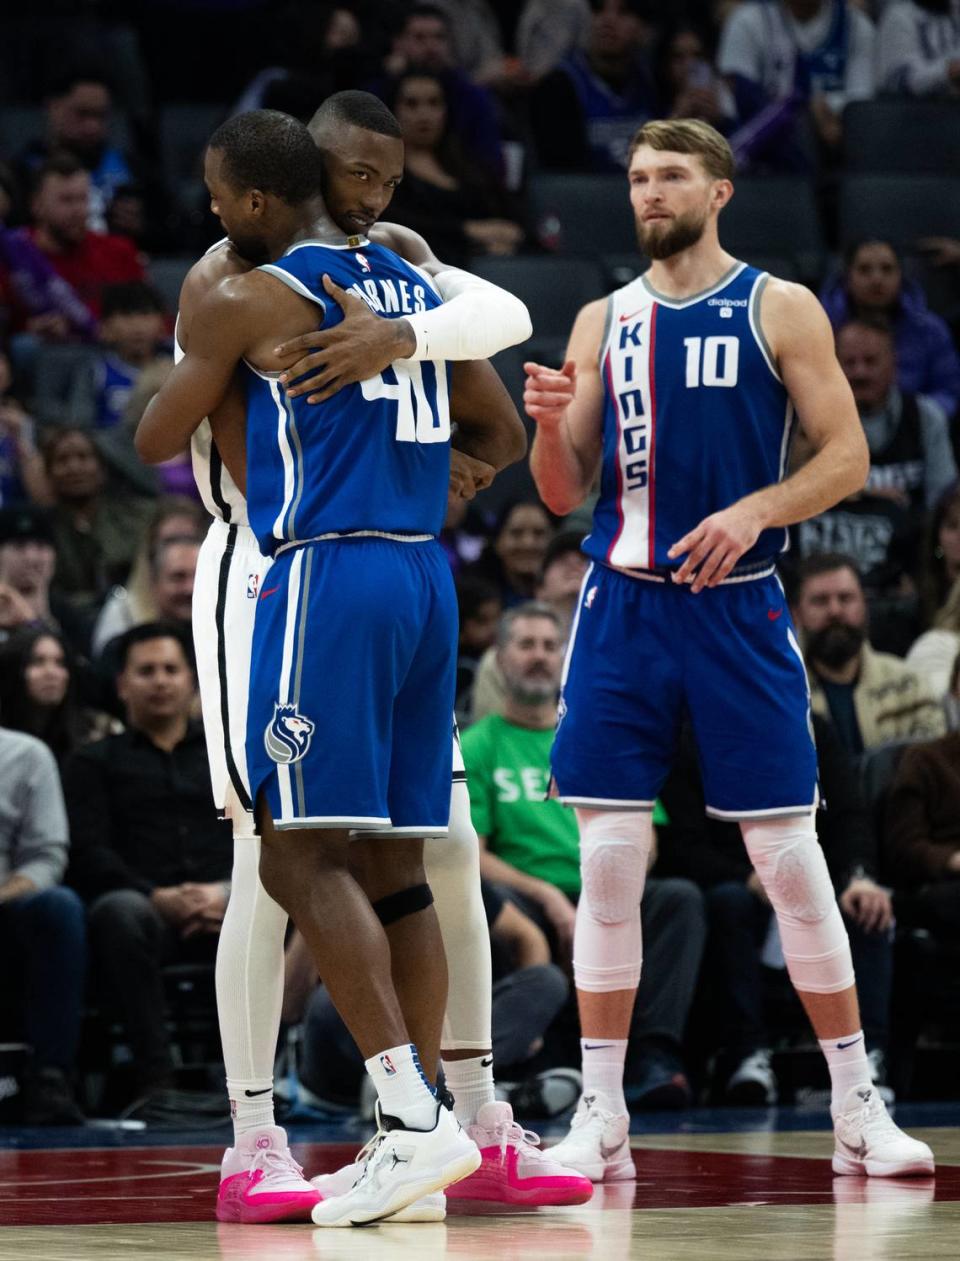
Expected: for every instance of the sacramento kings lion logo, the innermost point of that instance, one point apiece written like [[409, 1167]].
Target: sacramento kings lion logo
[[288, 735]]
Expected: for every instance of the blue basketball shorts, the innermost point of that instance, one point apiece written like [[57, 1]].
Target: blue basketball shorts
[[646, 654], [352, 686]]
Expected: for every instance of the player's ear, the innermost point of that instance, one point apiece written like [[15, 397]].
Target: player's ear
[[722, 192], [257, 201]]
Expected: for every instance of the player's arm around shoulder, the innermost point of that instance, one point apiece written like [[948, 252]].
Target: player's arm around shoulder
[[567, 406], [798, 332], [220, 331]]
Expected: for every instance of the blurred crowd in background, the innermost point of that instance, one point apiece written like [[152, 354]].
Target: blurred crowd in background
[[845, 121]]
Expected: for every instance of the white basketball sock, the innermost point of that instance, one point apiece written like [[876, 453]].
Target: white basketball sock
[[847, 1061], [470, 1082], [402, 1088], [249, 980], [603, 1061]]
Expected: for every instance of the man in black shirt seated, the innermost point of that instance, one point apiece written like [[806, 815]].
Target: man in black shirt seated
[[149, 854]]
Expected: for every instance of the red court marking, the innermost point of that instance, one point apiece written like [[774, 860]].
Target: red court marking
[[178, 1184]]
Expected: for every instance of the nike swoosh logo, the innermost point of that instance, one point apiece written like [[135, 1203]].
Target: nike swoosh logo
[[264, 594], [842, 1046], [486, 1063], [625, 318], [859, 1152], [772, 614], [253, 1093], [596, 1046], [607, 1153]]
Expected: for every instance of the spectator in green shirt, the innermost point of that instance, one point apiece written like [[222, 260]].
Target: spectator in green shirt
[[530, 846]]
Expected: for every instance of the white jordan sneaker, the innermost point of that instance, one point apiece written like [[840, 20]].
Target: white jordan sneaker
[[868, 1142], [598, 1145], [429, 1208], [402, 1166]]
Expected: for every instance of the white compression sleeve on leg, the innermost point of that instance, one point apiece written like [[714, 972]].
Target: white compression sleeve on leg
[[607, 940], [787, 857], [249, 972], [453, 871], [477, 319]]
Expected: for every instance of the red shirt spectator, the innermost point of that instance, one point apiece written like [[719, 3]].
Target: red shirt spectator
[[86, 260]]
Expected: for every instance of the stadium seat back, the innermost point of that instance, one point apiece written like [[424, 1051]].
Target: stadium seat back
[[899, 208], [901, 137]]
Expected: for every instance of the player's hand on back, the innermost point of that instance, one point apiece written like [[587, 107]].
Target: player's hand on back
[[357, 348], [468, 475], [547, 392], [714, 546]]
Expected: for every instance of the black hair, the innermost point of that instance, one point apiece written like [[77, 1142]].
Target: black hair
[[425, 11], [818, 563], [358, 109], [522, 501], [874, 320], [270, 151], [62, 83], [57, 434], [851, 250], [473, 592], [145, 633], [644, 9], [133, 298], [61, 162], [60, 728]]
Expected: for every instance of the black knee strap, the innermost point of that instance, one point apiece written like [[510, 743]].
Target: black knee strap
[[402, 903]]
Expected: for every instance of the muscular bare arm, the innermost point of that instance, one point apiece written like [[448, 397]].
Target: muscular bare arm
[[801, 340], [568, 409], [226, 322], [488, 425]]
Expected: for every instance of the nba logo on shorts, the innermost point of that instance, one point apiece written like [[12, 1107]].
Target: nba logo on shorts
[[386, 1063], [288, 735], [362, 261], [253, 586]]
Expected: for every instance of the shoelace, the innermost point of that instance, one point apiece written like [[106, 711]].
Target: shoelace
[[510, 1134], [275, 1163], [366, 1154]]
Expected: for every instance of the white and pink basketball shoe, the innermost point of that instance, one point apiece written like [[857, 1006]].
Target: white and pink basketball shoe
[[261, 1182]]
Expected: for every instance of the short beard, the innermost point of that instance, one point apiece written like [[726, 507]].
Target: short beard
[[684, 231], [835, 644], [532, 692]]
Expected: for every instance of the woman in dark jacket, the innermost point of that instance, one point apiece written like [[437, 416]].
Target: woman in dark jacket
[[873, 283]]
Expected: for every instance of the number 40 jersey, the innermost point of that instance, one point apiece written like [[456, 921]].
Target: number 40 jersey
[[694, 418], [375, 456]]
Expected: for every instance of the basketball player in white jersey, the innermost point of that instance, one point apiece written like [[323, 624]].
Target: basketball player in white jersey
[[681, 390], [260, 1182]]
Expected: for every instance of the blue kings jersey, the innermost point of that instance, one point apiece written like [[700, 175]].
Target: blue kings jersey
[[375, 456], [694, 418]]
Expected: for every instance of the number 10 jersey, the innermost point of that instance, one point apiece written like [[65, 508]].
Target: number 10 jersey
[[695, 417], [376, 456]]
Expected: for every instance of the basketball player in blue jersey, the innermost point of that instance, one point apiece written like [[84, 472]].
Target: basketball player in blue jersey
[[681, 390], [349, 501], [363, 159]]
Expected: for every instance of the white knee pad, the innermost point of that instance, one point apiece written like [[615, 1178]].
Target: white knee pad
[[607, 943], [787, 857]]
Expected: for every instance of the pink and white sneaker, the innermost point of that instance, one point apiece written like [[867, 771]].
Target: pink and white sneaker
[[513, 1169], [261, 1182]]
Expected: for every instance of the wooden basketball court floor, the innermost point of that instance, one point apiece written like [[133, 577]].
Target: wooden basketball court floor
[[718, 1185]]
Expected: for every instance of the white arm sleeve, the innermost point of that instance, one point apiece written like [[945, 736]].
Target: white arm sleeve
[[477, 319]]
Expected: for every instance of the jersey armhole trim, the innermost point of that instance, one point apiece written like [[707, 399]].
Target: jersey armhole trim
[[753, 315], [607, 322], [293, 283]]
